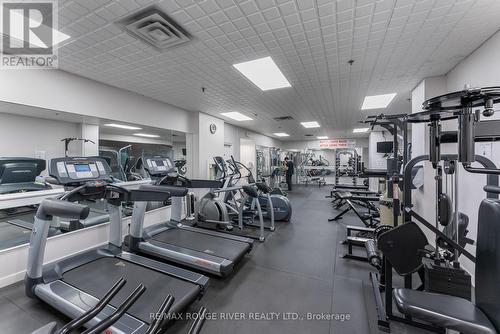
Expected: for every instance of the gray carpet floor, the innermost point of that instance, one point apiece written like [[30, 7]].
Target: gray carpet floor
[[297, 271]]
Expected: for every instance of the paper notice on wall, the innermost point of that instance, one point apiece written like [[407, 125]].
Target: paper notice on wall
[[485, 149]]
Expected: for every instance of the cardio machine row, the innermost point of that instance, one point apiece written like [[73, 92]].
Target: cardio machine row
[[75, 285]]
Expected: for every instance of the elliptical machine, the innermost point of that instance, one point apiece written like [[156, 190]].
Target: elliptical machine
[[274, 206]]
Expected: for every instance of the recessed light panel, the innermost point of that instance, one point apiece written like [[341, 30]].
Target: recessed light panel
[[377, 101], [147, 135], [264, 73], [236, 116], [281, 134], [309, 125], [322, 137], [360, 130], [122, 126]]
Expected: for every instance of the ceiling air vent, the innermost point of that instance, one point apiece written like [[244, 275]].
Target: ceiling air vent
[[155, 28], [308, 135], [283, 118]]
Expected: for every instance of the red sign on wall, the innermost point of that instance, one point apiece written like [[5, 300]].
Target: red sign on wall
[[337, 143]]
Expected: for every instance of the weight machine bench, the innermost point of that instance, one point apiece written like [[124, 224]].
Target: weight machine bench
[[369, 219], [456, 313], [338, 201], [357, 241]]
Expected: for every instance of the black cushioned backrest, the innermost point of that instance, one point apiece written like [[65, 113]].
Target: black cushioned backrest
[[401, 246], [250, 191], [263, 187], [488, 260]]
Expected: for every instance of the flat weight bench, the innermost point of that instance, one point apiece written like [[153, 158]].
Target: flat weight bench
[[338, 201], [369, 219], [456, 313], [356, 241]]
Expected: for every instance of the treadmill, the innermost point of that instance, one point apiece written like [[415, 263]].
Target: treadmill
[[75, 284], [18, 177], [18, 180], [204, 250]]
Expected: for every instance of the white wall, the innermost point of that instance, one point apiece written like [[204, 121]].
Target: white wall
[[62, 91], [22, 136], [91, 132], [233, 134], [248, 154], [210, 144]]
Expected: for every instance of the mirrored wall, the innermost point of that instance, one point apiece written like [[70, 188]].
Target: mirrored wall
[[30, 137]]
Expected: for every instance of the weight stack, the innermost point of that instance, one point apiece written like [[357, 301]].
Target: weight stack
[[443, 278]]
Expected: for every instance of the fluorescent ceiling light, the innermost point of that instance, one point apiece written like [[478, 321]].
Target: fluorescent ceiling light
[[122, 126], [309, 125], [377, 101], [264, 73], [322, 137], [360, 130], [236, 116], [281, 134], [147, 135]]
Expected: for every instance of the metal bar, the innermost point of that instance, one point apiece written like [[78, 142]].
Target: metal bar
[[443, 236], [382, 322]]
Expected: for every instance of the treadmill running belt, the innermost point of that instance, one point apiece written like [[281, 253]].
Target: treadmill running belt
[[96, 277], [216, 246], [11, 235]]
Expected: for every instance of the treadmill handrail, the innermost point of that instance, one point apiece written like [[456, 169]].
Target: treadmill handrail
[[198, 323], [92, 312], [119, 312], [156, 325]]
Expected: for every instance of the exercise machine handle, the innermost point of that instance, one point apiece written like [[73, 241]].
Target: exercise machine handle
[[91, 313], [63, 209], [119, 312], [199, 321], [156, 325]]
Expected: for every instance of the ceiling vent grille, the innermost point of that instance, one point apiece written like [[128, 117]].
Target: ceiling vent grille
[[283, 118], [155, 28], [308, 135]]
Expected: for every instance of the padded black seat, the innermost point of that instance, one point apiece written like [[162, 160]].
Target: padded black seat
[[457, 313], [445, 311], [344, 195], [250, 191], [365, 198], [263, 187]]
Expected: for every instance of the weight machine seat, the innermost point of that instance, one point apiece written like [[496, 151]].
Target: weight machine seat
[[365, 198], [263, 187], [250, 191], [344, 195], [445, 311]]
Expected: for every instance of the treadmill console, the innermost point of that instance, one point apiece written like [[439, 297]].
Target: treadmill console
[[70, 170], [158, 166]]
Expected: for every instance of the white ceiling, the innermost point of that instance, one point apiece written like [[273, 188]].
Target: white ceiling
[[395, 44]]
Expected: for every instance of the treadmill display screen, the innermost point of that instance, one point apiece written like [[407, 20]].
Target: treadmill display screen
[[82, 168], [159, 163]]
